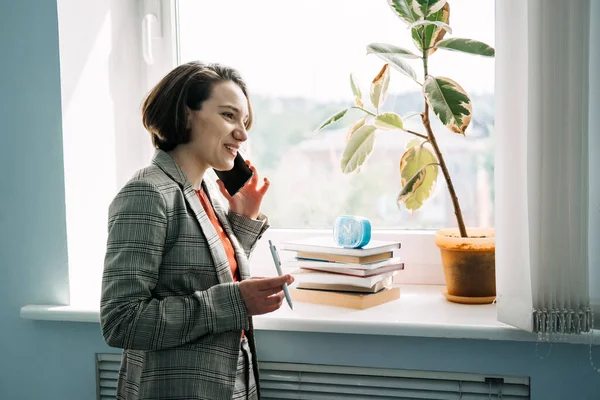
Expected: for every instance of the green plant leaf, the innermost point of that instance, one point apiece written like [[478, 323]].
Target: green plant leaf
[[425, 22], [397, 61], [418, 172], [356, 91], [355, 127], [424, 8], [388, 121], [414, 142], [430, 35], [408, 193], [415, 158], [449, 102], [358, 149], [404, 10], [379, 87], [467, 46], [390, 49], [334, 118]]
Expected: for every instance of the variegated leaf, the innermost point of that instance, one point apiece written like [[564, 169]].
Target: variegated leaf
[[467, 46], [396, 60], [415, 158], [404, 10], [356, 90], [379, 87], [417, 161], [355, 127], [388, 121], [410, 187], [408, 191], [424, 8], [413, 142], [449, 102], [439, 24], [390, 49], [358, 149], [334, 118], [429, 35]]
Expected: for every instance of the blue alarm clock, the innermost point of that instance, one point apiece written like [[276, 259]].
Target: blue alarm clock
[[351, 231]]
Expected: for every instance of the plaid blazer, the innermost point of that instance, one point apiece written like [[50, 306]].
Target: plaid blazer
[[168, 296]]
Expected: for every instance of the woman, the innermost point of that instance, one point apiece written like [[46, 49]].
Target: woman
[[176, 293]]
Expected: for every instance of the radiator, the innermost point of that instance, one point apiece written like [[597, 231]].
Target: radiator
[[281, 381], [107, 372]]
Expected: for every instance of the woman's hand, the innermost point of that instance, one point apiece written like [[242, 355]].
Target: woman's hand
[[247, 200], [263, 295]]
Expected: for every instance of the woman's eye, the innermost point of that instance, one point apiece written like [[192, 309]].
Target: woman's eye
[[228, 115]]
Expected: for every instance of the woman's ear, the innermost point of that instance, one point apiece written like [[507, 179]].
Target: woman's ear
[[188, 118]]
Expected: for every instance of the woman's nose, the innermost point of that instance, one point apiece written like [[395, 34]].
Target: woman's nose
[[240, 134]]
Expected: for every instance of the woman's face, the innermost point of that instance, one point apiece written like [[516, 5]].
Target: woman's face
[[217, 130]]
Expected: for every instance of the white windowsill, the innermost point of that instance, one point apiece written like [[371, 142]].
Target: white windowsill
[[421, 311]]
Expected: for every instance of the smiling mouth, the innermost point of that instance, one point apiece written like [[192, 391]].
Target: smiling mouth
[[231, 149]]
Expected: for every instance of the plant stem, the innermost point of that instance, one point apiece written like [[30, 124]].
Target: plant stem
[[431, 137], [365, 110], [416, 134]]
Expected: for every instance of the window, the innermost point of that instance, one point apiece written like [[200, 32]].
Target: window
[[103, 81], [296, 59]]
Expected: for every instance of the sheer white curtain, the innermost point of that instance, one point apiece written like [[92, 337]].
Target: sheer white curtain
[[543, 176]]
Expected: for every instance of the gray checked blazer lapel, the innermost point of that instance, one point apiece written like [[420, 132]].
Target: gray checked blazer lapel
[[222, 267], [240, 256]]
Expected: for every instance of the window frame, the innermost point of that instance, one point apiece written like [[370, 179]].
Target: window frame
[[418, 250], [164, 47]]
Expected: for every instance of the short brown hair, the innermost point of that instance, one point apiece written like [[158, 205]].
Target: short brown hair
[[164, 112]]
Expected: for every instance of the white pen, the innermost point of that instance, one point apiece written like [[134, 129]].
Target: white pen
[[277, 262]]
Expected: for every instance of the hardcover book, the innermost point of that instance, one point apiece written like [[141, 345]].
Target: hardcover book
[[347, 288], [359, 301], [326, 245], [309, 276], [368, 269], [344, 259]]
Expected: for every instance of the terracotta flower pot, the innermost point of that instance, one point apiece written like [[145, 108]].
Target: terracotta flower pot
[[469, 264]]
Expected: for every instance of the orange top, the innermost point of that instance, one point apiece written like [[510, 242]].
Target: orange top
[[210, 212]]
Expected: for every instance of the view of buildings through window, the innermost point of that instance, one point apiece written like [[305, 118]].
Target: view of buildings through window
[[296, 59]]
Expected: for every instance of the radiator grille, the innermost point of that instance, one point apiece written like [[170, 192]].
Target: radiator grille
[[326, 382], [281, 381], [107, 372]]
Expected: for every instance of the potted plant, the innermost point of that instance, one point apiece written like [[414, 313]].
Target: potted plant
[[468, 254]]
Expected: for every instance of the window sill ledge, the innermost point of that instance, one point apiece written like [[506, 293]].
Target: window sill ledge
[[421, 311]]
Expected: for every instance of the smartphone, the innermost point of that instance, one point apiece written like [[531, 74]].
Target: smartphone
[[235, 178]]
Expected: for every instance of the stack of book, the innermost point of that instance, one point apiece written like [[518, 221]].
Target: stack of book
[[326, 273]]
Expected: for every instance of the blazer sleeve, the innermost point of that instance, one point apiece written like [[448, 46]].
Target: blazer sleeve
[[247, 230], [131, 318]]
